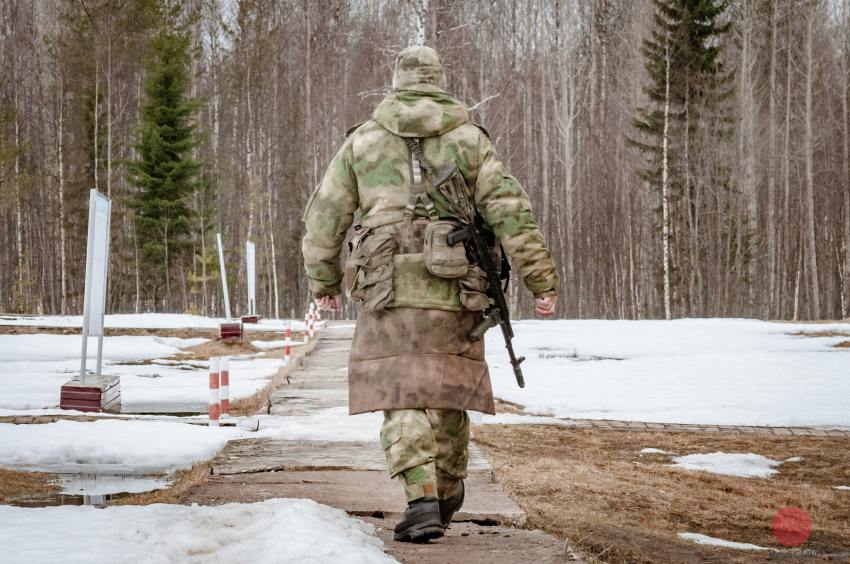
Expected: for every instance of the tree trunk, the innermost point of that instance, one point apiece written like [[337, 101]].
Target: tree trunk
[[19, 221], [770, 227], [747, 145], [96, 106], [845, 163], [109, 106], [786, 176], [665, 188], [60, 166], [811, 242]]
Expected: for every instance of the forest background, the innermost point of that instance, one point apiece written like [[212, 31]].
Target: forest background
[[684, 157]]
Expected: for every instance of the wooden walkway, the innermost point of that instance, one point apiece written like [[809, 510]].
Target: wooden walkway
[[352, 475]]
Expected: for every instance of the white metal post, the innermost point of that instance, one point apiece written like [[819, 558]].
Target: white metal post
[[87, 291], [251, 271], [105, 288], [94, 305], [223, 277]]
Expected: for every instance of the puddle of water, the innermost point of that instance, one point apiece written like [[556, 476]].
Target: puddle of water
[[94, 489]]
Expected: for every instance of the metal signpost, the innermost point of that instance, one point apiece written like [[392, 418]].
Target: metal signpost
[[223, 277], [251, 259], [97, 266]]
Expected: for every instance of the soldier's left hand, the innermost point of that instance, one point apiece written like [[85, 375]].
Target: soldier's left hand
[[546, 306]]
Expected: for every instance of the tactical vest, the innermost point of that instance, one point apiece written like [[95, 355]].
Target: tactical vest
[[409, 263]]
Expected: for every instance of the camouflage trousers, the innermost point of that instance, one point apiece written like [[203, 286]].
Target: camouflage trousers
[[427, 449]]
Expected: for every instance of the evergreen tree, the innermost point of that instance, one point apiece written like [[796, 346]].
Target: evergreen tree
[[688, 115], [165, 169]]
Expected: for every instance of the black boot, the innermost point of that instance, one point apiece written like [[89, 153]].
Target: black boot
[[421, 521], [449, 506]]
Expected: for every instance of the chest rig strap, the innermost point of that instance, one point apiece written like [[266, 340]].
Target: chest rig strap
[[419, 188]]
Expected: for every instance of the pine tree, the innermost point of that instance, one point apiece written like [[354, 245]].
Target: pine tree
[[165, 169], [687, 90]]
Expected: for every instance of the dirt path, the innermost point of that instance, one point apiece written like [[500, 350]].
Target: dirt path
[[351, 476]]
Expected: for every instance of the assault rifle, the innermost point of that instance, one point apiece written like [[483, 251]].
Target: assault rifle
[[479, 241], [474, 236]]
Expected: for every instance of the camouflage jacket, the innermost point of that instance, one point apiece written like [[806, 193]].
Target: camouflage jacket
[[372, 173]]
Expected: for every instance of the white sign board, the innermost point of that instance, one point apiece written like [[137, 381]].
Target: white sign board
[[223, 277], [97, 266], [251, 260]]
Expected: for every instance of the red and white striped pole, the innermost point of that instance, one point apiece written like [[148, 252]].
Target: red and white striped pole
[[215, 406], [225, 387], [287, 343]]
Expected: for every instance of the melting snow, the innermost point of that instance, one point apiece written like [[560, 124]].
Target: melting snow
[[729, 464], [273, 531], [712, 541]]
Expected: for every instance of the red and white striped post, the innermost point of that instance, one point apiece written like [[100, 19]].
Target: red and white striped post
[[224, 396], [215, 406], [311, 324], [287, 343]]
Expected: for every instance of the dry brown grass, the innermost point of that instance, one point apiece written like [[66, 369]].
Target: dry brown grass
[[843, 345], [16, 484], [183, 481], [215, 347], [821, 334], [593, 488]]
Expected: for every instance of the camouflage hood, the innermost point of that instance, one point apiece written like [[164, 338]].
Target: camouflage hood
[[419, 105], [410, 113]]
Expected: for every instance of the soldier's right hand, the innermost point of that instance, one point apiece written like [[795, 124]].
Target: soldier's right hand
[[329, 303]]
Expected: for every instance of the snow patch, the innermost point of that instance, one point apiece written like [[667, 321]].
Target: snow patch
[[99, 484], [34, 367], [843, 488], [147, 321], [273, 531], [654, 451], [729, 464], [695, 371], [110, 446], [331, 424], [518, 419], [712, 541], [794, 459], [271, 345]]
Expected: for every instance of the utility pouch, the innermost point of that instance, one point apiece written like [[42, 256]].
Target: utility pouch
[[369, 269], [473, 289], [441, 259]]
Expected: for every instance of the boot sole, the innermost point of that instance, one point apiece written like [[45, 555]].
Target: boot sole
[[421, 534]]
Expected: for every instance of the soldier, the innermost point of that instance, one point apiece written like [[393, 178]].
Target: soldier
[[419, 297]]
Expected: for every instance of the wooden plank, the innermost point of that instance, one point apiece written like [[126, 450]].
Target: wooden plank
[[359, 492], [102, 396]]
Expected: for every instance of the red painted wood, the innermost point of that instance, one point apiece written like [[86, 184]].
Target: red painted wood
[[230, 331]]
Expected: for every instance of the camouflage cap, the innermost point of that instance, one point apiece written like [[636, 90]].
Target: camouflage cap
[[419, 68]]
